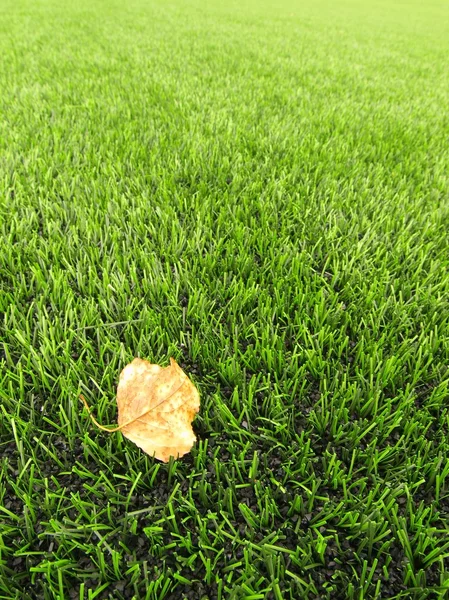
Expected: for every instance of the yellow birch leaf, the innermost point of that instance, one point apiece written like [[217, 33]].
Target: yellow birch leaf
[[156, 407]]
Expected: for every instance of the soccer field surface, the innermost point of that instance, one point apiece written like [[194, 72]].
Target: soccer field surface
[[259, 190]]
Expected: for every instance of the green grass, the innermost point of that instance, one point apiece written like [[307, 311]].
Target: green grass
[[261, 191]]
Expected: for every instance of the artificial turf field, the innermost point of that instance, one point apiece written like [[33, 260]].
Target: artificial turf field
[[259, 190]]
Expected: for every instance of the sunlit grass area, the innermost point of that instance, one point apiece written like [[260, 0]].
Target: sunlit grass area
[[259, 190]]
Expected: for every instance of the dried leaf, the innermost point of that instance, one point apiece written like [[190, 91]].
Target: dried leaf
[[156, 407]]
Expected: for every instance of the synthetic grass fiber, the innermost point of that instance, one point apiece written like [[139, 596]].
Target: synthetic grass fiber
[[259, 190]]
